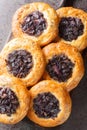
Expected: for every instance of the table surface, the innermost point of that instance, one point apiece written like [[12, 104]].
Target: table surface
[[78, 118]]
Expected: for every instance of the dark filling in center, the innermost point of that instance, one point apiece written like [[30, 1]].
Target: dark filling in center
[[34, 24], [8, 101], [70, 28], [46, 105], [60, 68], [19, 63]]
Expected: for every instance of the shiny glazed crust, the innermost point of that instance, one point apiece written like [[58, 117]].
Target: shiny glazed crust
[[73, 54], [64, 103], [81, 42], [49, 14], [37, 55], [23, 96]]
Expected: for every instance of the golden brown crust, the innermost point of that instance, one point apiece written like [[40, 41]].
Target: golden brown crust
[[23, 96], [81, 42], [38, 59], [49, 14], [64, 103], [73, 55]]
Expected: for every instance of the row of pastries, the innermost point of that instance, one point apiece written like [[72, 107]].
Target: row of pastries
[[42, 64]]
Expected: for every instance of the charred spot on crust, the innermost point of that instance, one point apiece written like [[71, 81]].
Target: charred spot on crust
[[8, 101], [70, 28], [60, 67], [46, 105], [19, 63], [34, 24]]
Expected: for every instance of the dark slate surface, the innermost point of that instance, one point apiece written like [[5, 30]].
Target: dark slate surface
[[78, 118]]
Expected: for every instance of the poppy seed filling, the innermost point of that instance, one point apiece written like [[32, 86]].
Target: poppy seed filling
[[19, 63], [46, 105], [70, 28], [8, 101], [60, 67], [34, 24]]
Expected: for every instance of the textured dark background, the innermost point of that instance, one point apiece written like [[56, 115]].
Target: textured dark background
[[78, 118]]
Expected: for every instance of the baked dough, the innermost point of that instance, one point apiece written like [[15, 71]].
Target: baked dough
[[23, 98], [38, 62], [50, 15], [74, 56], [81, 41], [49, 86]]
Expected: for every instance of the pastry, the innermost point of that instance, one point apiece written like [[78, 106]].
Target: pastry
[[73, 27], [14, 100], [37, 21], [64, 64], [22, 59], [50, 104]]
